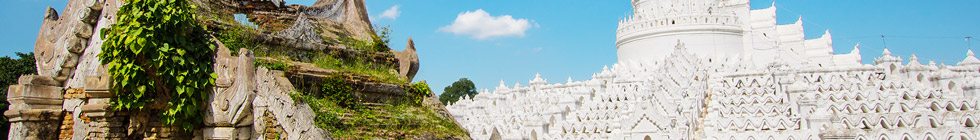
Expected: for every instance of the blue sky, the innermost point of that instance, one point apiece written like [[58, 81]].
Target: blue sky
[[561, 39]]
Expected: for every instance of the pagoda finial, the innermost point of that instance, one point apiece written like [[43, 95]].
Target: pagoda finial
[[679, 44], [856, 50], [886, 52], [969, 60], [914, 58]]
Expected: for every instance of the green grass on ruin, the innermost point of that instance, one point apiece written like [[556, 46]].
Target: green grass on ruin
[[404, 119]]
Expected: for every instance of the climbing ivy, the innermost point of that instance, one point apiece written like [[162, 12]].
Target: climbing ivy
[[158, 55]]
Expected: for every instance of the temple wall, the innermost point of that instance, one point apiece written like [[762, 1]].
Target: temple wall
[[689, 98], [704, 40]]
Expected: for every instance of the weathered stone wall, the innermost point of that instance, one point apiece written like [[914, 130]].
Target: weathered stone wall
[[69, 97]]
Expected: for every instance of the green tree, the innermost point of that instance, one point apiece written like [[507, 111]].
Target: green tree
[[10, 71], [158, 54], [458, 89]]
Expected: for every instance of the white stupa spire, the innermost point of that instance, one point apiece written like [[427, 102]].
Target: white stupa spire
[[970, 60]]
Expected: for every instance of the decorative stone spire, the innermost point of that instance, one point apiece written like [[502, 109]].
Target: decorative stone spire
[[501, 86], [569, 79], [537, 81], [970, 60], [605, 74], [680, 47], [887, 58], [913, 59]]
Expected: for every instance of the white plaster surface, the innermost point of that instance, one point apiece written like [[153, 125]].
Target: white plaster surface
[[678, 84]]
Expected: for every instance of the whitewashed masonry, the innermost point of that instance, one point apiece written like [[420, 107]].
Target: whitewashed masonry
[[715, 70]]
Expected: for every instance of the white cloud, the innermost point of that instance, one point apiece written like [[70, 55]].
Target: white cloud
[[538, 49], [391, 13], [480, 25]]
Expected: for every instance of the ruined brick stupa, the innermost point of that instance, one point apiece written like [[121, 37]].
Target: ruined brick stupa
[[69, 98]]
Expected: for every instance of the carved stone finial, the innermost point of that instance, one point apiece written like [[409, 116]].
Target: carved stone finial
[[886, 52], [856, 47], [680, 45], [51, 14], [410, 45], [969, 52], [408, 60]]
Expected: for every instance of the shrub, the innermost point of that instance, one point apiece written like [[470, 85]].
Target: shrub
[[338, 90], [418, 92], [157, 50], [326, 112]]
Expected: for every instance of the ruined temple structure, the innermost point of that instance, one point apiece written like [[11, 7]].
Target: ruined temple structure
[[69, 96], [716, 70]]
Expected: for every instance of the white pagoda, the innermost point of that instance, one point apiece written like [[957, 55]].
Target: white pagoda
[[716, 70]]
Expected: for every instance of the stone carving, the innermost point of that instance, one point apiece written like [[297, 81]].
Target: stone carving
[[799, 90], [294, 117], [326, 18], [408, 61], [228, 115], [62, 39]]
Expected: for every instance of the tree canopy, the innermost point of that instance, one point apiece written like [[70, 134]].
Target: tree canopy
[[458, 89], [10, 71]]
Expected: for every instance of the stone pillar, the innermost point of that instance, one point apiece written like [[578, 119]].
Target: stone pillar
[[35, 108], [103, 122]]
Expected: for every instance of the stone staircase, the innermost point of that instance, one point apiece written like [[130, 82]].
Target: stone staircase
[[379, 111]]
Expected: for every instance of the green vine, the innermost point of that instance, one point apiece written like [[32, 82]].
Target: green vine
[[418, 92], [159, 56]]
